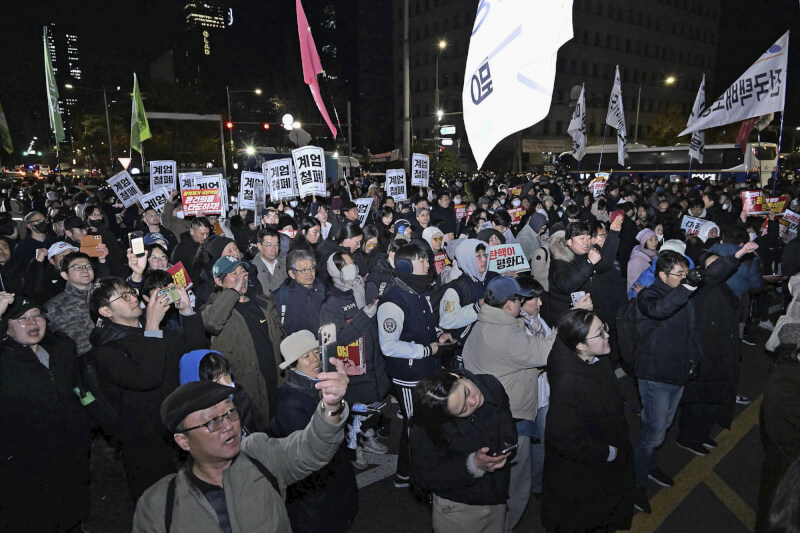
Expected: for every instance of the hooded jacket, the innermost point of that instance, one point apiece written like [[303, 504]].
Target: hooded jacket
[[748, 276]]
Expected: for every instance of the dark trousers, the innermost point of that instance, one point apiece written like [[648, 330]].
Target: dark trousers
[[696, 421], [405, 396]]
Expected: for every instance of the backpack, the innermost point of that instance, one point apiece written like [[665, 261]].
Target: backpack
[[462, 289], [629, 341]]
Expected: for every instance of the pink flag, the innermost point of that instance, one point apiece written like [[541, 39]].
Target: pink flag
[[311, 63], [744, 132]]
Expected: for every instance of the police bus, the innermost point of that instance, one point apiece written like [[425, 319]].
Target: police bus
[[721, 162]]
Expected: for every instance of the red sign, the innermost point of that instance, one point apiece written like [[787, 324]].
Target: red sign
[[440, 261], [755, 203], [515, 191], [201, 202], [516, 214], [461, 211], [352, 355], [179, 275]]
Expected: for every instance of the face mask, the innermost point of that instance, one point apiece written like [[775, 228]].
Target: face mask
[[178, 214], [349, 272], [457, 200], [293, 203], [502, 201], [726, 207], [660, 238], [40, 227], [753, 236], [515, 202]]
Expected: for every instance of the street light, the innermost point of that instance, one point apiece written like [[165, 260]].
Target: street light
[[442, 46], [670, 80], [108, 120]]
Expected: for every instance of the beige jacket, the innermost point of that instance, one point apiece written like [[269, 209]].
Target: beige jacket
[[498, 345]]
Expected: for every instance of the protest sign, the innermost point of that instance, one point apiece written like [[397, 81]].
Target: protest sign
[[155, 200], [363, 205], [125, 188], [186, 179], [755, 203], [179, 275], [516, 215], [461, 211], [515, 191], [281, 178], [289, 232], [440, 261], [598, 186], [309, 165], [162, 174], [396, 184], [420, 170], [247, 189], [507, 258], [197, 202], [691, 225]]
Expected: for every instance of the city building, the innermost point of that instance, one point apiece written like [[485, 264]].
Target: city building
[[662, 47], [65, 57]]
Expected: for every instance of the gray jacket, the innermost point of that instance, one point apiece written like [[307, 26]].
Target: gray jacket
[[270, 282]]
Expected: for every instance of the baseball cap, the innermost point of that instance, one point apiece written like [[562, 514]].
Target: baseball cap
[[505, 287], [20, 306], [60, 247], [153, 237], [73, 222], [226, 264], [191, 397]]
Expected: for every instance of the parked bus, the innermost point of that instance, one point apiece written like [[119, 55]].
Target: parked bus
[[721, 162]]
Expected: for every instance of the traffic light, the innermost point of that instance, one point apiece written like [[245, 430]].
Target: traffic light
[[229, 125], [441, 149], [265, 125]]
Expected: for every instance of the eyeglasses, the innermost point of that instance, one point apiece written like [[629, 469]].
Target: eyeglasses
[[304, 270], [127, 296], [25, 320], [681, 274], [270, 245], [215, 424], [603, 332], [79, 268], [158, 257], [480, 255]]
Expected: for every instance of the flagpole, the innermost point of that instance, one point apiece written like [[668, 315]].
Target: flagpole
[[602, 147], [780, 139]]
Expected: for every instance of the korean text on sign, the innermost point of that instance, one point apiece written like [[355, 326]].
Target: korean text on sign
[[309, 165], [162, 174], [507, 258], [155, 200], [691, 225], [396, 184], [247, 189], [281, 178], [420, 170], [125, 188], [201, 202]]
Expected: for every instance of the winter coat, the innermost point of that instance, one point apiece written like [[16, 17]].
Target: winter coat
[[270, 281], [379, 279], [449, 222], [718, 330], [253, 504], [583, 490], [327, 500], [300, 307], [231, 337], [140, 370], [666, 325], [45, 444], [184, 253], [68, 312], [748, 276], [638, 263], [529, 240], [500, 346], [627, 240], [442, 467]]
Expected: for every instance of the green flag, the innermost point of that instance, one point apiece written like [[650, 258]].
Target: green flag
[[140, 129], [52, 94], [5, 134]]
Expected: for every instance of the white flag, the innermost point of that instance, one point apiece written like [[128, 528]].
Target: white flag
[[616, 119], [759, 91], [697, 144], [577, 127], [511, 67]]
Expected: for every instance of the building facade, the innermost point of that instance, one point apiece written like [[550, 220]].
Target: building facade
[[65, 57]]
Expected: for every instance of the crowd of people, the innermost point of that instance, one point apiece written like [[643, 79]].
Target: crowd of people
[[248, 398]]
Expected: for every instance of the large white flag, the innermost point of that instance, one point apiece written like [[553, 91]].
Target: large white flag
[[697, 144], [616, 119], [759, 91], [577, 127], [511, 67]]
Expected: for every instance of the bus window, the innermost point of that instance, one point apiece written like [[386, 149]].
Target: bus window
[[641, 161], [673, 160], [712, 159], [765, 153], [732, 157]]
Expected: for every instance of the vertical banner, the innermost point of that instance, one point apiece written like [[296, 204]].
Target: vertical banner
[[281, 178], [396, 184], [162, 174], [247, 189], [309, 165], [616, 119], [155, 199], [420, 170], [125, 188], [363, 205], [577, 127], [697, 144]]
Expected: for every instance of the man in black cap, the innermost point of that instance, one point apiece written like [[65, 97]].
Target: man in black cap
[[37, 237], [230, 483]]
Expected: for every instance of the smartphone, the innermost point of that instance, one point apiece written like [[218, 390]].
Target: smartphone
[[136, 240], [614, 214], [327, 345], [503, 452], [577, 296], [170, 292]]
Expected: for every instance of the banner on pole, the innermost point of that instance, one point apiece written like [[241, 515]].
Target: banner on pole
[[281, 178], [616, 119], [162, 174], [420, 170], [697, 144], [309, 165], [396, 184], [577, 127], [155, 199], [125, 188]]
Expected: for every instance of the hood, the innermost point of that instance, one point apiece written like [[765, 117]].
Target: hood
[[190, 365], [429, 232], [559, 248], [705, 227], [537, 222], [639, 251], [486, 233], [106, 331], [381, 264], [465, 255], [450, 247]]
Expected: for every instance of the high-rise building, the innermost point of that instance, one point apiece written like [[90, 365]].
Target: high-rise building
[[662, 48], [203, 19], [65, 57]]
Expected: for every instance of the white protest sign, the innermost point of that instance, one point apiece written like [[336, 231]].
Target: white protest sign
[[247, 189], [309, 166], [507, 258], [186, 179], [598, 186], [281, 177], [691, 225], [420, 170], [363, 205], [125, 188], [155, 200], [396, 184], [162, 174]]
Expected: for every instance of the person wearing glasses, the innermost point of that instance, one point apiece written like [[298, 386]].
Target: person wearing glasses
[[499, 345], [270, 266], [299, 299], [230, 484], [670, 352], [138, 363], [68, 311], [588, 465], [45, 444]]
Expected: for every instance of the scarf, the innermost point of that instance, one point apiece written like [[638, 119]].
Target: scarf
[[417, 282], [534, 324], [356, 286]]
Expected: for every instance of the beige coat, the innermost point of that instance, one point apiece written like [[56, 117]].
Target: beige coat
[[498, 345]]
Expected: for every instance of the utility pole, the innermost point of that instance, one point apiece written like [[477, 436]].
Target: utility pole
[[406, 92]]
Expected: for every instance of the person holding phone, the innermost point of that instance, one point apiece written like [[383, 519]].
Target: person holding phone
[[588, 465], [463, 438]]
